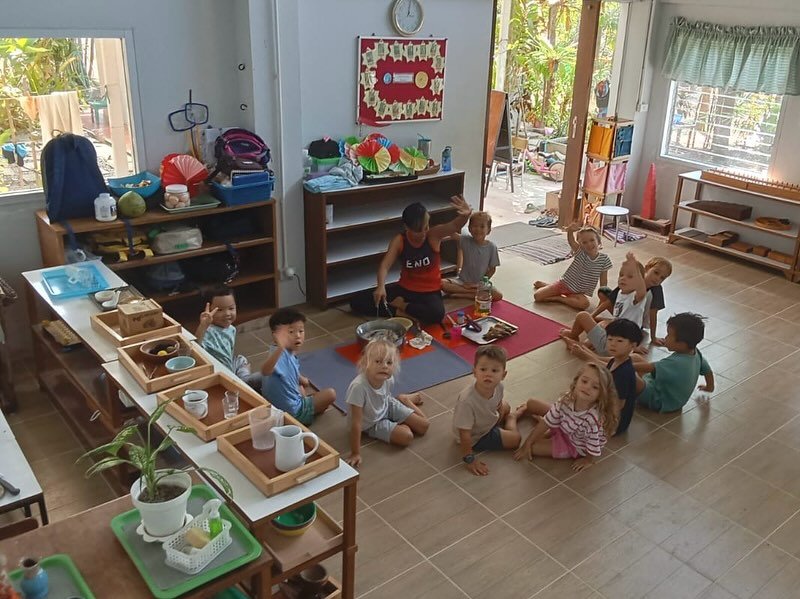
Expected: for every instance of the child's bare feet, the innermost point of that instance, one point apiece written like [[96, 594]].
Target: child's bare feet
[[520, 411], [411, 398], [539, 284]]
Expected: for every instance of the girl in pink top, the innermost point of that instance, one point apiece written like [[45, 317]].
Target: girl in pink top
[[578, 424]]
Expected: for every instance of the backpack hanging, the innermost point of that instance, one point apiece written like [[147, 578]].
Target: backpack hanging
[[71, 177]]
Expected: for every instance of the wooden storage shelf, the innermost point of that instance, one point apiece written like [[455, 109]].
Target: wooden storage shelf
[[342, 256], [790, 270], [332, 590], [323, 537], [208, 248]]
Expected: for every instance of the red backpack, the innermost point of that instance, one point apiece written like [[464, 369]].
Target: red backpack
[[240, 150]]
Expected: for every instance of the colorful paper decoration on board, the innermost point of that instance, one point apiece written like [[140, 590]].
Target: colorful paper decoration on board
[[400, 79]]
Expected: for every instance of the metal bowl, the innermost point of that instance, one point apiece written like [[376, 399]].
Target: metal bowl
[[366, 331]]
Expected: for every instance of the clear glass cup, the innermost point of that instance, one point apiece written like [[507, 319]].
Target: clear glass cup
[[262, 420], [230, 404]]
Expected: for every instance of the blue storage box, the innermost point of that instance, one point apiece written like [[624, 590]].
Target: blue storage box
[[243, 194], [117, 186]]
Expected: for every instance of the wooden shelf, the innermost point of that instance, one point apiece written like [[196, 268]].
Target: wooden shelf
[[695, 177], [324, 536], [352, 217], [749, 223], [764, 261], [208, 248], [241, 280]]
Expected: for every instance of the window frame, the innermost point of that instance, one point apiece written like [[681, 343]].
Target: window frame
[[668, 120], [134, 96]]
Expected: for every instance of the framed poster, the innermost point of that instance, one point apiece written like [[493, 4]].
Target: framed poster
[[400, 79]]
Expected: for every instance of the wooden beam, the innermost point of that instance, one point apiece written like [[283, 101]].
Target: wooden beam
[[568, 207], [488, 94]]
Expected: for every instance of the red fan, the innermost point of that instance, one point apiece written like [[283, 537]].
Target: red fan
[[182, 168]]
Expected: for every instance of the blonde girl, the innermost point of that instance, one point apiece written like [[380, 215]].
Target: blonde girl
[[373, 409], [578, 424]]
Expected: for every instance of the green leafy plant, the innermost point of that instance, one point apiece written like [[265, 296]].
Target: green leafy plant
[[143, 457]]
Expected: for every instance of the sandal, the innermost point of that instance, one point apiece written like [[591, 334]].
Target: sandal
[[530, 208]]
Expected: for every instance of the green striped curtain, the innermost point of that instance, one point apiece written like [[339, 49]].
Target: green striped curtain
[[749, 59]]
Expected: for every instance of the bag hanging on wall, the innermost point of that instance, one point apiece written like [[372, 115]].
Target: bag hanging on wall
[[617, 172], [71, 177], [623, 141], [600, 140], [594, 176]]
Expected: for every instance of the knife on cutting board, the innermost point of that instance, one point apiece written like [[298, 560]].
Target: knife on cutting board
[[8, 486]]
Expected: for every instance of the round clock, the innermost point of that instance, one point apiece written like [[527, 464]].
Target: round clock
[[407, 16]]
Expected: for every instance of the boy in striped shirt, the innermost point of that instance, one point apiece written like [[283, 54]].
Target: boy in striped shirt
[[578, 282]]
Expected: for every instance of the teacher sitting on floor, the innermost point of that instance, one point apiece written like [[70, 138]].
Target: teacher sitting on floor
[[418, 294]]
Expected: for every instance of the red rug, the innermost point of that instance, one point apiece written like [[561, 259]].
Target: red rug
[[534, 332]]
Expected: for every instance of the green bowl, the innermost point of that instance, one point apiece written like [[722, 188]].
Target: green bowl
[[297, 519]]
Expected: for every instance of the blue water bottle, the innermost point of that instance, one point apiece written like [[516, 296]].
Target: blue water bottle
[[447, 164]]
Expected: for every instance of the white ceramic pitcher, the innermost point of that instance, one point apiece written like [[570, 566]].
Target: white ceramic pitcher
[[289, 447]]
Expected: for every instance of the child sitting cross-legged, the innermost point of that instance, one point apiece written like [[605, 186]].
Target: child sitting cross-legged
[[630, 304], [578, 423], [481, 419], [477, 258], [669, 383], [622, 337], [373, 409], [216, 332], [283, 386], [589, 265]]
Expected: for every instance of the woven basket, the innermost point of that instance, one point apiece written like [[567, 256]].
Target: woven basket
[[431, 170]]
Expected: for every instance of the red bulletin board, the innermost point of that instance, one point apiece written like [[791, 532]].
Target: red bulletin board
[[400, 79]]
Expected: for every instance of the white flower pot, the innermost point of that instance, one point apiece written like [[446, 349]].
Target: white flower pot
[[164, 518]]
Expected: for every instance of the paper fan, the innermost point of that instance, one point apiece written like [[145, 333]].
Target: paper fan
[[412, 158], [182, 168], [373, 156]]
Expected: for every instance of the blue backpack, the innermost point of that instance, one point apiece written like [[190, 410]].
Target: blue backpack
[[71, 176]]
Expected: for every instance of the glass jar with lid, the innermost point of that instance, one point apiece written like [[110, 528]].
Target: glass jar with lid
[[176, 196]]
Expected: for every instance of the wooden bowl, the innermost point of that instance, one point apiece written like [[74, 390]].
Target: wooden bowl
[[773, 224], [149, 351]]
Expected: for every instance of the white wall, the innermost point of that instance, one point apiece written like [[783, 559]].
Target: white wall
[[650, 125]]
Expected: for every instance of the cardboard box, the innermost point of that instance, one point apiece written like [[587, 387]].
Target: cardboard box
[[551, 200], [140, 317]]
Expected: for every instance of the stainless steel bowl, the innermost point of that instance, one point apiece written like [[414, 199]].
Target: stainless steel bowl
[[366, 331]]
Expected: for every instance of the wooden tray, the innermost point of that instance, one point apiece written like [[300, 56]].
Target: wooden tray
[[773, 224], [259, 466], [487, 322], [289, 552], [160, 378], [107, 324], [214, 424]]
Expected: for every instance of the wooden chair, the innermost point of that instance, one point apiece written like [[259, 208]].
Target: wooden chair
[[17, 528]]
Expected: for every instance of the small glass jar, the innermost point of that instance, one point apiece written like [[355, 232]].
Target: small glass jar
[[176, 196], [461, 318]]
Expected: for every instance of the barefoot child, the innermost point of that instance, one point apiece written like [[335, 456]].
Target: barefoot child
[[579, 422], [481, 419], [477, 258], [373, 410], [588, 267], [283, 386], [630, 304], [216, 332]]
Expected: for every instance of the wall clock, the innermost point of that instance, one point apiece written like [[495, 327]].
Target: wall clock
[[407, 16]]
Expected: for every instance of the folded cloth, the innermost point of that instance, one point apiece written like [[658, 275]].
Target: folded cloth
[[326, 183], [353, 173]]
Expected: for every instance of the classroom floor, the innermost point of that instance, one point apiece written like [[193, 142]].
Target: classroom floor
[[700, 504]]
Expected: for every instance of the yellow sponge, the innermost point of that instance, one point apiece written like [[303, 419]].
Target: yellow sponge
[[197, 538]]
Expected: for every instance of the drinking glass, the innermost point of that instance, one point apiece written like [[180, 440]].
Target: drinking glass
[[230, 404], [261, 423]]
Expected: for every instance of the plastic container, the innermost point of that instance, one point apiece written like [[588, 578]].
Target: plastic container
[[196, 560], [176, 196], [307, 163], [117, 185], [323, 165], [105, 208], [243, 194]]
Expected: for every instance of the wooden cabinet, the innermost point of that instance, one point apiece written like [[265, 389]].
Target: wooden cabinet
[[256, 285], [343, 252], [607, 154]]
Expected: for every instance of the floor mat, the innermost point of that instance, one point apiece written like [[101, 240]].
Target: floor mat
[[543, 251], [333, 367], [534, 332], [611, 233], [516, 233]]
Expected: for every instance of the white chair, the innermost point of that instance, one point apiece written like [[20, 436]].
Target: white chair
[[616, 212]]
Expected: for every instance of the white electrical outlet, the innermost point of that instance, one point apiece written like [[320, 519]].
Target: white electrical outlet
[[288, 273]]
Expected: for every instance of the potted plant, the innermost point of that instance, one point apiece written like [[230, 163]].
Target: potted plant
[[160, 495]]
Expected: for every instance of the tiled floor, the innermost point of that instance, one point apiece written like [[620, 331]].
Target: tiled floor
[[700, 504]]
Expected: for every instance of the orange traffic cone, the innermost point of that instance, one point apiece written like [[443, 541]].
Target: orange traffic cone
[[649, 199]]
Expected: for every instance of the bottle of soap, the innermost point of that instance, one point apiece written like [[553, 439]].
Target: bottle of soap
[[214, 519]]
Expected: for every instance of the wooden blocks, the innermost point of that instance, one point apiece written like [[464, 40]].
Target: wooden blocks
[[780, 257], [761, 250], [723, 238], [741, 246]]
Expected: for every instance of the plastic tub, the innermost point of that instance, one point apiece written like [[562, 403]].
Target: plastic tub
[[243, 194], [117, 185], [323, 165]]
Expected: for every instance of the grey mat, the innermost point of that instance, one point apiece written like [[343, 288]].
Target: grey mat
[[544, 251], [516, 233]]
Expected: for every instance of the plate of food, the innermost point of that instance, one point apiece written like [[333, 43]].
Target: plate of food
[[491, 329]]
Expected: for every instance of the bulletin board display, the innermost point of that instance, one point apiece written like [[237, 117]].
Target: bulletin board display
[[400, 79]]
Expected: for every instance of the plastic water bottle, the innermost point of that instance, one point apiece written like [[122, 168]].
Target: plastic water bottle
[[483, 298], [447, 159], [307, 163]]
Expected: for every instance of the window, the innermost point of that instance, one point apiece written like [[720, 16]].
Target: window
[[52, 85], [722, 128]]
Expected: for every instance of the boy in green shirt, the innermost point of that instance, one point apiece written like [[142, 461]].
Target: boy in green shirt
[[669, 383]]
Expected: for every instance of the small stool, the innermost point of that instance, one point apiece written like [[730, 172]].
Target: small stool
[[615, 212]]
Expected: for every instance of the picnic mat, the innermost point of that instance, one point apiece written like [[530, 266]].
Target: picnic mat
[[516, 233], [544, 251], [336, 367], [534, 332]]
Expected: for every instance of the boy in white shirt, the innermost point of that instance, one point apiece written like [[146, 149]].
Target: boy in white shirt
[[630, 304]]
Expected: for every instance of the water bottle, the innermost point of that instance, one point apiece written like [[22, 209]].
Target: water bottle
[[447, 164], [105, 208], [483, 298], [307, 164]]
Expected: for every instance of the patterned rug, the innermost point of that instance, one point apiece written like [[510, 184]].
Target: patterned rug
[[611, 233], [543, 251]]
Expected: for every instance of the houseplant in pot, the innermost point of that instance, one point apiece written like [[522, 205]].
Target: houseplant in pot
[[160, 495]]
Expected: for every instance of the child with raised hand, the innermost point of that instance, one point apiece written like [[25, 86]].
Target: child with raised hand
[[630, 304], [373, 409], [669, 383], [622, 337], [578, 282], [477, 258], [578, 423], [283, 385], [481, 419], [216, 332]]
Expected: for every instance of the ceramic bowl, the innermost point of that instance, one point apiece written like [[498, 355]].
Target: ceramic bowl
[[296, 522], [104, 296], [149, 351], [179, 363]]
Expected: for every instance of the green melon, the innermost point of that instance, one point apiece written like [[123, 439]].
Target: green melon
[[131, 205]]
